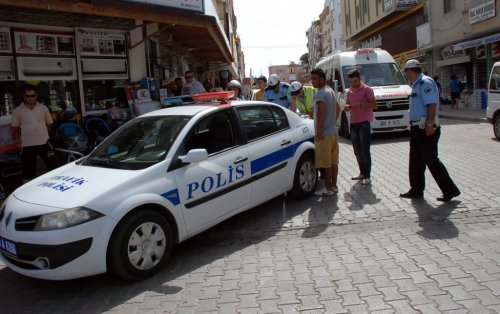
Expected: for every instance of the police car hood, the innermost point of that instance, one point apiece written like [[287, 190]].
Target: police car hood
[[74, 185], [391, 92]]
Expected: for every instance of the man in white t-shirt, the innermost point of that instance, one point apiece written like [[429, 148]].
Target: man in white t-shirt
[[31, 121], [192, 87]]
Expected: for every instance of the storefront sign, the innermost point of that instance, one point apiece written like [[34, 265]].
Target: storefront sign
[[388, 5], [191, 5], [374, 42], [406, 4], [5, 45], [449, 52], [477, 42], [29, 41], [482, 12], [495, 49], [102, 43]]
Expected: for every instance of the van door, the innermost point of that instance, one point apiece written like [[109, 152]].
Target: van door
[[493, 109]]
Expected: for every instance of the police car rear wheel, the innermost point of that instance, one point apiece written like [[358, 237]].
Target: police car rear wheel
[[140, 246], [306, 177], [496, 126]]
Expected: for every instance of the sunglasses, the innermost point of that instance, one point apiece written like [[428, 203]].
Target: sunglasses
[[29, 96], [188, 77]]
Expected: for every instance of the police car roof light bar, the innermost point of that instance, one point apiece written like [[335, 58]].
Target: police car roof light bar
[[214, 96]]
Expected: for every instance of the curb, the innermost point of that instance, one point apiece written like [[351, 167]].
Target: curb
[[470, 119]]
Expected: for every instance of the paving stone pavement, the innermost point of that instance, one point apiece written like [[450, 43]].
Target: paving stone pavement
[[363, 251]]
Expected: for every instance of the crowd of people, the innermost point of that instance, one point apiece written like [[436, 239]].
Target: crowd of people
[[31, 122]]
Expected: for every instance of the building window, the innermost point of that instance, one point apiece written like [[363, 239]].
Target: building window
[[449, 5]]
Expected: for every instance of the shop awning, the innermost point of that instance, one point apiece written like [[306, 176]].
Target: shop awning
[[199, 33], [443, 63]]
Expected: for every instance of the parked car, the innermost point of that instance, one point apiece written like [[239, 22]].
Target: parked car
[[493, 109], [156, 181]]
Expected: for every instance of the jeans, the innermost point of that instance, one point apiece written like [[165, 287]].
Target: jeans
[[361, 139], [424, 153]]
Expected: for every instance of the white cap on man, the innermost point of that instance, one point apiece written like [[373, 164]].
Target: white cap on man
[[273, 80], [295, 88], [412, 64]]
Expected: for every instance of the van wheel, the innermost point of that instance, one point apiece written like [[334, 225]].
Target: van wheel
[[305, 178], [496, 126], [140, 246], [344, 127]]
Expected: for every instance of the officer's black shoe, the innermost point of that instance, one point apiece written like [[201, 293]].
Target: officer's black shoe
[[447, 198], [411, 194]]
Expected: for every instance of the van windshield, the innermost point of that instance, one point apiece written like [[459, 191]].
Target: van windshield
[[376, 74]]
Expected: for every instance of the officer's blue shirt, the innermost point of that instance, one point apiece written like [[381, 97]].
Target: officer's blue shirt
[[282, 97], [424, 92]]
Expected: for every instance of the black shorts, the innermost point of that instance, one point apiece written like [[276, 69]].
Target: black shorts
[[455, 95], [29, 155]]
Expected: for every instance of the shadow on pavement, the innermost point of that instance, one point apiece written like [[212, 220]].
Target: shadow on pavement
[[320, 215], [196, 258], [360, 195], [434, 220]]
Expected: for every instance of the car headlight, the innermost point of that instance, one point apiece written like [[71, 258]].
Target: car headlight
[[66, 218]]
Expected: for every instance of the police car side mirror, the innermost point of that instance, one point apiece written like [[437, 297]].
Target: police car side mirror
[[194, 156]]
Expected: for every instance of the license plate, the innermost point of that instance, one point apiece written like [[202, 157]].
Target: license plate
[[390, 122], [8, 246]]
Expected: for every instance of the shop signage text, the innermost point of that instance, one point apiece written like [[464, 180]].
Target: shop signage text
[[191, 5], [477, 42], [374, 42], [482, 12], [449, 52]]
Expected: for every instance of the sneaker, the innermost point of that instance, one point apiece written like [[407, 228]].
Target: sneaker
[[360, 177], [325, 192], [366, 181]]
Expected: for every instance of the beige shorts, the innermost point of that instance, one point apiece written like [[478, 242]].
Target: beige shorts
[[327, 152]]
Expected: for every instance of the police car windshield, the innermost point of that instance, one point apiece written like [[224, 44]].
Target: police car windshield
[[139, 144], [376, 74]]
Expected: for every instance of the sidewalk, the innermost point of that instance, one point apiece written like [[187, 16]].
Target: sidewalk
[[464, 114]]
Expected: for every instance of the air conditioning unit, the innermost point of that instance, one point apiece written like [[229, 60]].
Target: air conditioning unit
[[104, 69], [46, 68], [6, 69]]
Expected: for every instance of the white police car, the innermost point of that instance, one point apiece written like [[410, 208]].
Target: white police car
[[157, 181]]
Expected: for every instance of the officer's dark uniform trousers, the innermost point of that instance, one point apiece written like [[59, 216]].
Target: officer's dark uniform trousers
[[424, 152]]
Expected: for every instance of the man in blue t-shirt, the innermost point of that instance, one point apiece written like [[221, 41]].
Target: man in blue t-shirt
[[455, 91]]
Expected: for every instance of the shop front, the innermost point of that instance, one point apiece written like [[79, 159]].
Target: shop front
[[82, 57], [471, 61], [397, 35]]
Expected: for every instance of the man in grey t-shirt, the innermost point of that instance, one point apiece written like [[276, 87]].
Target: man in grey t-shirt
[[326, 111]]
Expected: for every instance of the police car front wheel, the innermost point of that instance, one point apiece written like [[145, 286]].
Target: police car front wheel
[[140, 246]]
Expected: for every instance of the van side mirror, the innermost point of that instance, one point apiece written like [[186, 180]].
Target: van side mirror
[[337, 87]]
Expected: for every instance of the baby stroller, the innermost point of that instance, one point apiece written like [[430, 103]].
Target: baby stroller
[[70, 135], [10, 160], [96, 128]]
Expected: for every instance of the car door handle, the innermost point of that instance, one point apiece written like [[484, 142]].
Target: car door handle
[[240, 160], [285, 142]]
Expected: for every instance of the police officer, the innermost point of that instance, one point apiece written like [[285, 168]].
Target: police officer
[[424, 137], [235, 86], [277, 92], [303, 98]]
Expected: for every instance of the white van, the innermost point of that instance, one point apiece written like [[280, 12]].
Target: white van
[[380, 71], [493, 109]]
